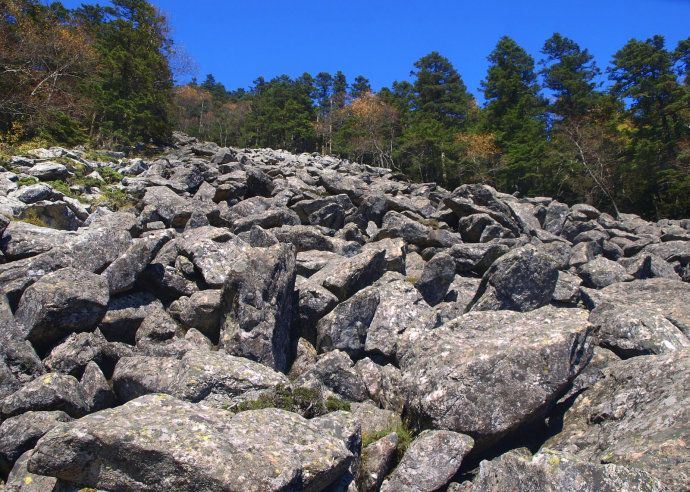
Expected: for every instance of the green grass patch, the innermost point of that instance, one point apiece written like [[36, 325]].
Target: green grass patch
[[308, 402], [27, 180], [405, 438], [32, 217]]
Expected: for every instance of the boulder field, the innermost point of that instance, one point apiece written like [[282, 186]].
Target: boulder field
[[253, 320]]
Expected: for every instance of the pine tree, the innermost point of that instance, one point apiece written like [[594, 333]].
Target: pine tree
[[133, 89], [439, 92], [569, 72], [515, 112], [643, 74], [360, 87]]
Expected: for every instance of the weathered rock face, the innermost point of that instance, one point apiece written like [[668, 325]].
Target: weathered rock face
[[636, 416], [258, 303], [552, 471], [215, 378], [62, 302], [521, 280], [256, 278], [157, 442], [430, 462], [467, 375]]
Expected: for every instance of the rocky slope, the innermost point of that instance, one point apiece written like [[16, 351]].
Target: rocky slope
[[253, 320]]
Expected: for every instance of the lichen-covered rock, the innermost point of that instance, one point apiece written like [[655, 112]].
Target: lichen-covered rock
[[335, 371], [21, 479], [51, 391], [667, 297], [258, 306], [19, 434], [349, 275], [61, 303], [99, 395], [486, 373], [551, 471], [125, 270], [436, 278], [430, 462], [214, 378], [636, 416], [345, 328], [521, 280], [158, 442], [377, 459], [630, 330], [201, 310], [601, 272]]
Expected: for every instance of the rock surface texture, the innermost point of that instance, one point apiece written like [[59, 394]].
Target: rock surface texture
[[255, 320]]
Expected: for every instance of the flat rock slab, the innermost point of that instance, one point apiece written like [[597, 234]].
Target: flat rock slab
[[486, 373], [638, 415], [666, 297], [556, 472], [216, 378], [157, 442]]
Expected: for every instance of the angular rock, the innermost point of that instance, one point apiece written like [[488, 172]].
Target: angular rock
[[600, 273], [98, 393], [124, 271], [61, 303], [551, 471], [258, 306], [19, 434], [349, 275], [636, 416], [430, 462], [215, 378], [436, 278], [49, 392], [632, 330], [521, 280], [377, 459], [201, 310], [157, 442], [334, 370], [345, 328], [487, 373]]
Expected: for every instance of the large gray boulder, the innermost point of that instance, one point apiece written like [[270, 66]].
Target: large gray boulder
[[636, 416], [521, 280], [667, 297], [345, 328], [551, 471], [123, 273], [51, 391], [438, 274], [158, 442], [61, 303], [215, 378], [344, 277], [430, 463], [487, 373], [258, 298], [19, 434]]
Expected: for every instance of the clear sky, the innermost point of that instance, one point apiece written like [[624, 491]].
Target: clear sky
[[238, 40]]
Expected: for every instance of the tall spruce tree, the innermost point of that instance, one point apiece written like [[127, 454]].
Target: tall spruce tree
[[360, 87], [515, 112], [439, 92], [133, 89], [643, 75], [569, 72]]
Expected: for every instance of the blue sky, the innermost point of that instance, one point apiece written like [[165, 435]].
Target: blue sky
[[238, 40]]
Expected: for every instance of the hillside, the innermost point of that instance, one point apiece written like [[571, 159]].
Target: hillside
[[219, 318]]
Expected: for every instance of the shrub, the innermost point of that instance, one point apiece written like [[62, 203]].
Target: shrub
[[32, 217]]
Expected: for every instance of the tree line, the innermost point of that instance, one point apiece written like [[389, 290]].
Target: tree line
[[617, 137]]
